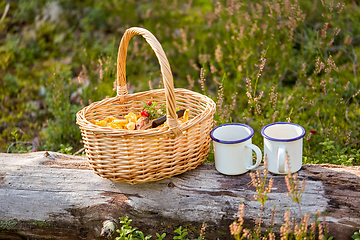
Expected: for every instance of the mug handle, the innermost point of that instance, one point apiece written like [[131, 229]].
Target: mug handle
[[281, 159], [258, 156]]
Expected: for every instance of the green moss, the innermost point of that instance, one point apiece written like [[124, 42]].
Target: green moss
[[41, 223], [8, 225]]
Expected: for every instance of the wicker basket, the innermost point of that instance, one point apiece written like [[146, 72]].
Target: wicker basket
[[136, 156]]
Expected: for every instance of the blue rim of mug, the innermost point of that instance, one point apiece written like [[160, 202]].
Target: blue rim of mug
[[232, 142], [283, 140]]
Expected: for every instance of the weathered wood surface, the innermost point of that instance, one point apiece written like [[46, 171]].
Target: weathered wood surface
[[57, 196]]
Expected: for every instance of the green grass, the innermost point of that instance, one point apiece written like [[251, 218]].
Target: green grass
[[263, 62]]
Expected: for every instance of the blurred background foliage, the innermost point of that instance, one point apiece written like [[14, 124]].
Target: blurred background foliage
[[261, 61]]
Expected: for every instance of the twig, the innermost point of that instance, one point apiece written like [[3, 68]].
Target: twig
[[354, 64], [283, 75], [80, 151], [7, 7], [14, 143]]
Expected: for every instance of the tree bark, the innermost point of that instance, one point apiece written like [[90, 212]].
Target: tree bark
[[47, 195]]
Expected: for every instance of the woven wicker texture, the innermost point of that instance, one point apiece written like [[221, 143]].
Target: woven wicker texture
[[136, 156]]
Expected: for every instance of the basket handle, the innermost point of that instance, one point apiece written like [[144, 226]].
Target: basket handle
[[164, 67]]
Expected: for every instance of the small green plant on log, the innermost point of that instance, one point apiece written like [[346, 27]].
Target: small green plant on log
[[356, 235], [128, 232]]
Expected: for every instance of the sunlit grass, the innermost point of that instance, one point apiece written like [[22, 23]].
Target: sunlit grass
[[262, 62]]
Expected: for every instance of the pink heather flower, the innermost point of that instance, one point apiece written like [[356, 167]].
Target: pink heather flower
[[235, 229], [347, 85], [313, 228], [190, 81], [247, 18], [233, 104], [336, 31], [347, 40], [310, 81], [274, 116], [241, 213], [220, 96], [193, 64], [285, 229], [357, 93], [261, 94], [202, 79], [218, 53], [323, 84], [331, 63], [273, 97], [308, 136], [241, 34], [178, 47], [248, 85], [204, 58], [212, 68], [249, 96], [327, 71], [348, 138], [271, 236], [303, 67], [342, 6], [321, 236], [246, 233], [218, 8], [263, 61]]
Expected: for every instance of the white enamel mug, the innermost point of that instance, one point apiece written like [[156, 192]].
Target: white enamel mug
[[233, 148], [280, 139]]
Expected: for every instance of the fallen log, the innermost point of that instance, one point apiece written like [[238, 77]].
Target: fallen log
[[47, 195]]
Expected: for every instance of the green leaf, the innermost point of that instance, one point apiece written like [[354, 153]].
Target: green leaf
[[160, 237], [356, 235]]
